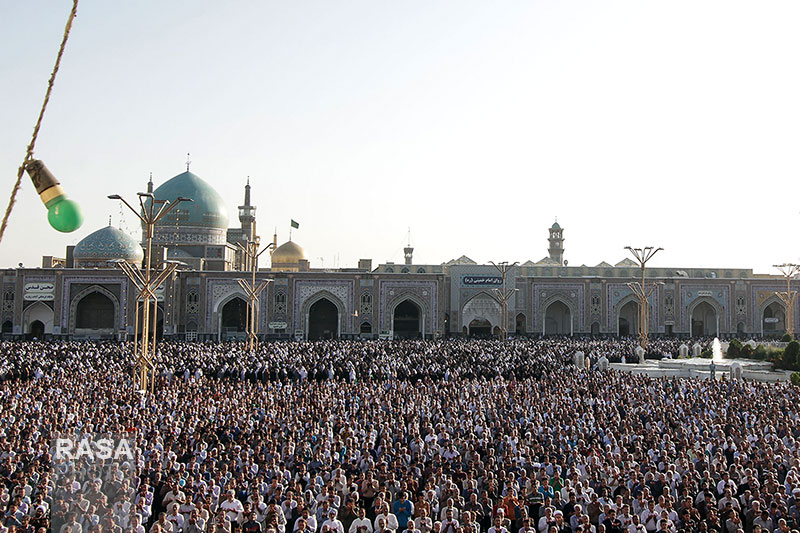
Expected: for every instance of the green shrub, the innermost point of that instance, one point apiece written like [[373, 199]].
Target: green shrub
[[734, 349], [706, 354], [786, 338], [746, 351], [795, 379], [791, 356], [760, 352]]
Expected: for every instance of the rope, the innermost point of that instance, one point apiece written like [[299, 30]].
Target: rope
[[29, 154]]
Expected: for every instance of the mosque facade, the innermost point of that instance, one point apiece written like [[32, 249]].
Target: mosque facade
[[86, 295]]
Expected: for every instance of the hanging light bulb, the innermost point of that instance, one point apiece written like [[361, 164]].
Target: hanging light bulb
[[63, 214]]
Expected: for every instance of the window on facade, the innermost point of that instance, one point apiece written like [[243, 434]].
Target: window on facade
[[280, 302], [366, 304], [192, 300]]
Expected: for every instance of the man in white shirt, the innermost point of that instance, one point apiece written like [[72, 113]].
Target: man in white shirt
[[176, 518], [361, 524], [390, 519], [233, 508]]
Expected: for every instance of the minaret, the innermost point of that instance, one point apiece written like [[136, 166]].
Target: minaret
[[150, 184], [556, 240], [408, 251], [247, 215]]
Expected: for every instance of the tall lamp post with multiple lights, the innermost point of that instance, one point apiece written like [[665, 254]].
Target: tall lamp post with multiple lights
[[251, 252], [789, 271], [502, 294], [643, 292], [147, 282]]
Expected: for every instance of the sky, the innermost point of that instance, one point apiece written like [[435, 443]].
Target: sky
[[473, 123]]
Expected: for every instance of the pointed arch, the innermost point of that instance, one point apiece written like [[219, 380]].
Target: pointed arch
[[217, 312], [41, 312], [414, 299], [571, 308], [717, 308], [316, 297], [73, 312], [520, 324], [625, 323], [481, 306], [772, 302]]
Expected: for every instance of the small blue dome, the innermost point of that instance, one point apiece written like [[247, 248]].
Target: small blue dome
[[555, 226], [207, 209], [108, 244]]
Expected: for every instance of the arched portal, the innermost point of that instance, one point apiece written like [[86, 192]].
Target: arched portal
[[406, 321], [37, 312], [95, 311], [774, 319], [323, 320], [8, 327], [36, 330], [366, 328], [557, 319], [234, 316], [704, 320], [628, 319], [480, 327], [595, 329], [520, 324], [484, 308]]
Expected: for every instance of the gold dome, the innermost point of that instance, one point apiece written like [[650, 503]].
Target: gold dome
[[288, 255]]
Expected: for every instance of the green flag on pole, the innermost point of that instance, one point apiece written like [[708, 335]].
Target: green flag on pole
[[295, 225]]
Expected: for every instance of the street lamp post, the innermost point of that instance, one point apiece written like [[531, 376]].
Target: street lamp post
[[789, 271], [643, 292], [251, 252], [503, 295], [147, 282]]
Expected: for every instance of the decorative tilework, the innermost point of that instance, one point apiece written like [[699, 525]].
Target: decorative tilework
[[569, 292], [759, 294], [718, 295], [341, 289], [101, 281], [393, 292], [617, 292], [218, 290]]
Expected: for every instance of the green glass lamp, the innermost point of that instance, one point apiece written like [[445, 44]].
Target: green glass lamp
[[63, 214]]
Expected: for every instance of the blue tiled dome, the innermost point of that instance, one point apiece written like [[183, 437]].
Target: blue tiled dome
[[108, 244], [207, 209]]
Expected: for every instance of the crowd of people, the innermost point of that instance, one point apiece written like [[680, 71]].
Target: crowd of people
[[450, 436], [372, 360]]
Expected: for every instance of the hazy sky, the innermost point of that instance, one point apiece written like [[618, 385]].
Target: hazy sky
[[475, 123]]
